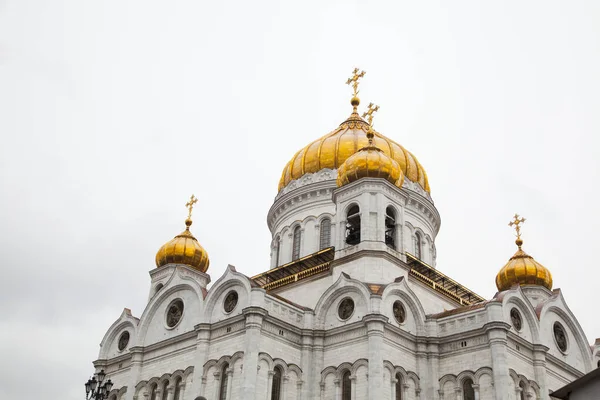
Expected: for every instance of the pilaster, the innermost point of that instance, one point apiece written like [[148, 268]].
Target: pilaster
[[137, 356], [254, 319], [202, 343], [496, 332], [539, 369], [375, 324]]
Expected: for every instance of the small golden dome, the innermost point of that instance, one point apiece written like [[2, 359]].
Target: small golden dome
[[524, 270], [184, 248], [370, 162], [333, 149]]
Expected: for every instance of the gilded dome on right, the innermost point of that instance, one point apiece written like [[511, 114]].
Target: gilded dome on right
[[521, 268]]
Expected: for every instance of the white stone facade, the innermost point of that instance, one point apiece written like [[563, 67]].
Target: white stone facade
[[293, 335]]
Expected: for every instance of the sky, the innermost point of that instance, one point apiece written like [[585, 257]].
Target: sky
[[112, 113]]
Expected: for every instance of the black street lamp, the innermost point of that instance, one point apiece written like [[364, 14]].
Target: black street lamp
[[94, 389]]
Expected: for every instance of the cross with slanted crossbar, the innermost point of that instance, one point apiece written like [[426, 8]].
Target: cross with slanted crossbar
[[190, 205], [354, 80], [369, 113], [516, 222]]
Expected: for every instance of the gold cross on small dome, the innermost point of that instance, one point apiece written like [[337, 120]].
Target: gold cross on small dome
[[516, 222], [369, 113], [190, 205], [353, 80]]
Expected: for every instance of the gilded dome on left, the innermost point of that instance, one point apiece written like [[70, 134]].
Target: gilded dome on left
[[184, 248]]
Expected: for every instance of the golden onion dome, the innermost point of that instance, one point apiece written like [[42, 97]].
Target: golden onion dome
[[370, 162], [184, 248], [333, 149], [522, 269]]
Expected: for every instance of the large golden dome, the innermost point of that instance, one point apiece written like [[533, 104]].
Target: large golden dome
[[184, 248], [333, 149], [370, 162], [522, 269]]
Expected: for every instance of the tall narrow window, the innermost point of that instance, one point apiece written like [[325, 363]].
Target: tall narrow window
[[276, 388], [325, 239], [523, 392], [153, 392], [418, 245], [276, 250], [165, 390], [177, 389], [468, 391], [390, 227], [224, 377], [398, 386], [296, 243], [353, 226], [346, 386]]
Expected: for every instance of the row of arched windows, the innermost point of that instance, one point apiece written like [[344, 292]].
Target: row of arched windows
[[347, 386], [154, 393], [324, 240]]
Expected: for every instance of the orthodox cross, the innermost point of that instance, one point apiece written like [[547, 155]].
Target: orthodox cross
[[190, 205], [369, 113], [354, 80], [516, 222]]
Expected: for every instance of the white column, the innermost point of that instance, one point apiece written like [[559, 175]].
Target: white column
[[202, 343], [476, 391], [308, 369], [229, 381], [170, 392], [375, 323], [539, 367], [270, 384], [338, 392], [393, 388], [284, 385], [135, 370], [497, 339], [217, 384], [322, 386], [254, 318], [405, 387], [182, 390], [353, 387]]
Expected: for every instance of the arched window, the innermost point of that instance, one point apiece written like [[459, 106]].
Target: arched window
[[398, 386], [165, 390], [153, 392], [390, 227], [177, 389], [353, 226], [468, 392], [418, 245], [296, 243], [346, 386], [276, 388], [224, 377], [325, 239], [523, 391], [276, 250]]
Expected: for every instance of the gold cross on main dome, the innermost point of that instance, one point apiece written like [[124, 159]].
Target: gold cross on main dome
[[369, 113], [190, 205], [354, 80], [516, 222]]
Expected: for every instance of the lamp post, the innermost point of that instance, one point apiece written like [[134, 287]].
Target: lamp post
[[95, 389]]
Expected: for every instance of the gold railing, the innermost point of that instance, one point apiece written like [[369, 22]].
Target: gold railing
[[298, 276]]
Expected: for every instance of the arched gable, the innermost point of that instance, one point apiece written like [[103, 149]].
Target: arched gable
[[400, 290], [343, 286], [108, 345], [577, 341], [514, 297], [229, 280]]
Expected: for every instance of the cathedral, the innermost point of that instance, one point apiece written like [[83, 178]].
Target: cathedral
[[353, 305]]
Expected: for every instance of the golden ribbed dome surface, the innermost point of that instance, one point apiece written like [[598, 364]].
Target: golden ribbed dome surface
[[333, 149], [183, 249], [370, 162], [523, 270]]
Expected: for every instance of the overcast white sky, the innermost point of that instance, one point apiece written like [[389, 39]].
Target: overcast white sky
[[113, 112]]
